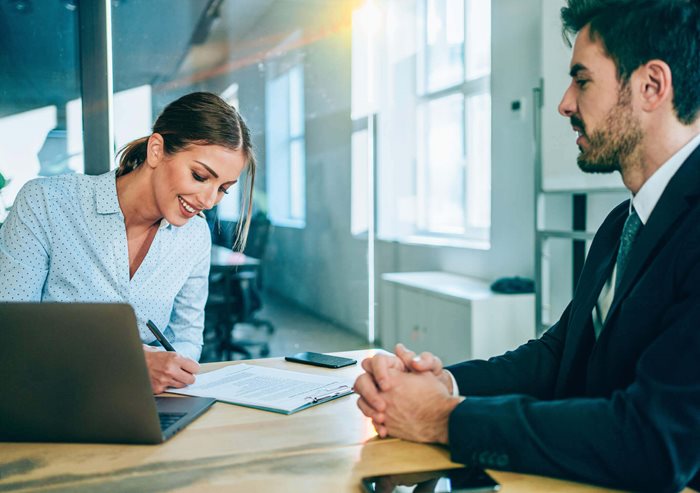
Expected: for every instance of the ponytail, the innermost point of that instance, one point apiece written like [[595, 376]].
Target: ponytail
[[132, 155]]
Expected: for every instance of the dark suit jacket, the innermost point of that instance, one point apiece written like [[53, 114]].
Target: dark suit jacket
[[623, 410]]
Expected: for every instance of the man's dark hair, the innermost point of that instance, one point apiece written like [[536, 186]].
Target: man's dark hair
[[634, 32]]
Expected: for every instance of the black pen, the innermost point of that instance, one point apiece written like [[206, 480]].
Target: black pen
[[159, 336]]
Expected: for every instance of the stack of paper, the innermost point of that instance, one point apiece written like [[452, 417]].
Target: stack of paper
[[270, 389]]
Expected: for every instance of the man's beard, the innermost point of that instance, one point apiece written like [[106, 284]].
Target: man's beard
[[610, 147]]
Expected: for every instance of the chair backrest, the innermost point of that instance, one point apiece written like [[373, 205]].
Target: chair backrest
[[258, 235], [223, 233]]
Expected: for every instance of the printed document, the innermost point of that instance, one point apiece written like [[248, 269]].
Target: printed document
[[270, 389]]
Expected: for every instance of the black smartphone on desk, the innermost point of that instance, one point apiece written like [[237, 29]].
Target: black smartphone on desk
[[318, 359], [463, 479]]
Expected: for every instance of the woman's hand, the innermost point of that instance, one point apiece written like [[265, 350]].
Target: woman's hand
[[169, 369]]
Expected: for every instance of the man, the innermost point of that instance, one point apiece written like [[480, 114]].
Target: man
[[611, 393]]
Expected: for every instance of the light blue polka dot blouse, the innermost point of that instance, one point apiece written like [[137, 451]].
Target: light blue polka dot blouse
[[65, 240]]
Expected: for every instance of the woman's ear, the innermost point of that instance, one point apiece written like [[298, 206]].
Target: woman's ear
[[155, 150]]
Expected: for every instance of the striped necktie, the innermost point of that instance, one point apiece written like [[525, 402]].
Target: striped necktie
[[629, 233]]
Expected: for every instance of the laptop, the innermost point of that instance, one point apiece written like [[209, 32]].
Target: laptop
[[75, 372]]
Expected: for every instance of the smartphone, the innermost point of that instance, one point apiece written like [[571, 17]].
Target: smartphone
[[318, 359], [463, 479]]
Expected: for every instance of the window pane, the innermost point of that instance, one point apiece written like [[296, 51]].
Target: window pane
[[360, 169], [443, 168], [38, 78], [229, 209], [444, 45], [296, 102], [133, 114], [277, 147], [479, 161], [478, 38], [297, 178], [367, 24], [285, 146]]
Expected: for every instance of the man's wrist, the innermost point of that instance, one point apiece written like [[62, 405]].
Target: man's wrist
[[449, 380], [449, 405]]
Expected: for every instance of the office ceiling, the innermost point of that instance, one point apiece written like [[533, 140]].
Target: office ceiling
[[39, 54]]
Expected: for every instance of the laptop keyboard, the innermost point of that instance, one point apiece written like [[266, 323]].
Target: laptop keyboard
[[167, 419]]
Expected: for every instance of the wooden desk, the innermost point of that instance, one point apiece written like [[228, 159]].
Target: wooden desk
[[327, 448]]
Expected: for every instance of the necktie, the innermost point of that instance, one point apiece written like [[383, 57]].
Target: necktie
[[629, 233]]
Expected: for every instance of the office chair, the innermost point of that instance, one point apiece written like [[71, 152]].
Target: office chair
[[230, 303], [234, 296], [255, 247]]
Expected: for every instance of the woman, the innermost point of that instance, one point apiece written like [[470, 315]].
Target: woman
[[136, 236]]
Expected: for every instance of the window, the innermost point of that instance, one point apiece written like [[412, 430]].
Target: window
[[435, 176], [285, 153], [366, 22], [229, 209], [454, 114], [360, 199]]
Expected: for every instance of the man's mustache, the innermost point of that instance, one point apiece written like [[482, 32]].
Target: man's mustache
[[577, 122]]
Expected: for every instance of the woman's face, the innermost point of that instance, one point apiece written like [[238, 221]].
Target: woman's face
[[194, 179]]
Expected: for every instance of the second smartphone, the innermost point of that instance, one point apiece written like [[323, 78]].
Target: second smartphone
[[318, 359]]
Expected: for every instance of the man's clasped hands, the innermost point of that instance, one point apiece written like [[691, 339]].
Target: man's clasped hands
[[407, 396]]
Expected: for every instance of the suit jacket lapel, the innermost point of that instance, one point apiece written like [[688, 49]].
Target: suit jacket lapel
[[596, 272], [601, 263], [598, 266], [672, 205]]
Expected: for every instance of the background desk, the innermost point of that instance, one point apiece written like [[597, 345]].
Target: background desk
[[327, 448], [234, 298], [224, 259]]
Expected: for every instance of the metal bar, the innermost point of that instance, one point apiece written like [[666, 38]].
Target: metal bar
[[371, 228], [579, 206], [468, 88], [538, 100], [95, 39], [567, 235], [569, 191]]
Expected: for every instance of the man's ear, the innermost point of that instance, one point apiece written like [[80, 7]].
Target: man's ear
[[655, 83], [155, 150]]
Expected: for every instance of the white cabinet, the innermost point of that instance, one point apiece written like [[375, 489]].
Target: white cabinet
[[454, 317]]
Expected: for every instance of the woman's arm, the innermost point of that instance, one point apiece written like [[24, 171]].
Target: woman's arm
[[25, 247], [187, 317]]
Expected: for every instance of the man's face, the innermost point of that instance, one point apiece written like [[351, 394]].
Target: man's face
[[600, 109]]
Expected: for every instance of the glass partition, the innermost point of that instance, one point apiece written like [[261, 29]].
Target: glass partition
[[367, 116], [287, 67], [40, 133]]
